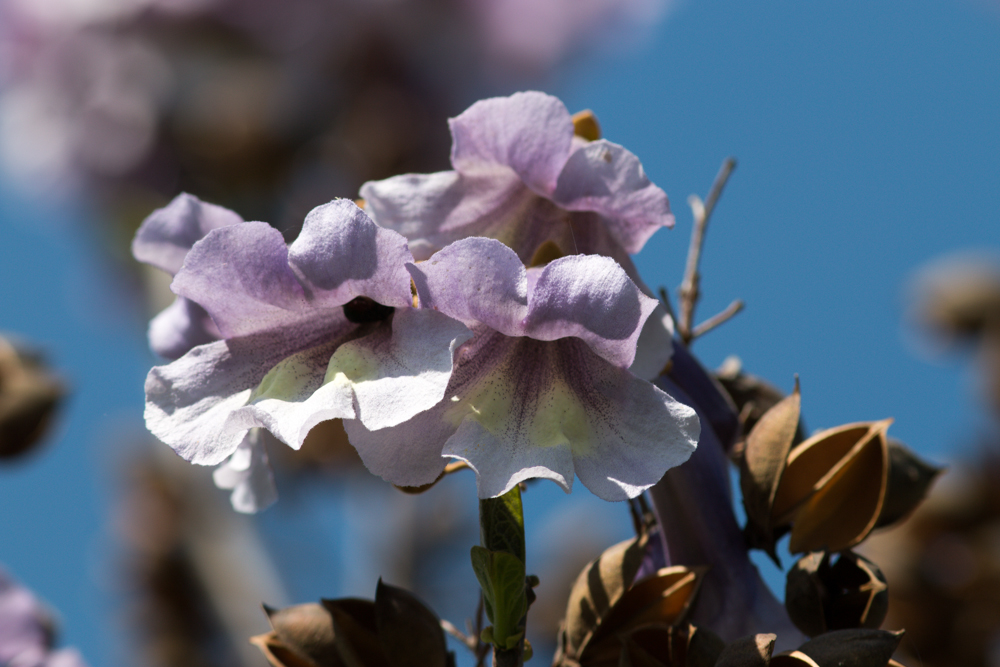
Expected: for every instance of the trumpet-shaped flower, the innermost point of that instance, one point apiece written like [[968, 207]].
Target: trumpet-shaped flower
[[163, 241], [522, 177], [543, 390], [324, 328]]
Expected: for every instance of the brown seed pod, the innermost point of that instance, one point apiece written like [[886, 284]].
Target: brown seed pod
[[910, 478], [29, 397], [763, 463], [853, 648], [752, 651], [823, 595]]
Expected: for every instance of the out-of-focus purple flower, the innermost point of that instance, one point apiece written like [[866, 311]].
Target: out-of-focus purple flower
[[522, 177], [163, 241], [698, 525], [26, 632], [535, 35], [543, 390], [321, 329]]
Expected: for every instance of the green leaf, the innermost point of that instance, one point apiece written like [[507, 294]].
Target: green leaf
[[501, 523], [501, 576]]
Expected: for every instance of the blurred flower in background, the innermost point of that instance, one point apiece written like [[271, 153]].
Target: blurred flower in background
[[267, 107]]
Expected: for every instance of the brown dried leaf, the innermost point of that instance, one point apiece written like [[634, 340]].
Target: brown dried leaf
[[847, 501], [767, 449], [585, 125], [409, 632], [752, 651], [306, 630], [853, 648], [910, 477], [598, 588]]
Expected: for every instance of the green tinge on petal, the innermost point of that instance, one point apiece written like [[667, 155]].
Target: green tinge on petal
[[557, 417], [352, 364], [288, 379]]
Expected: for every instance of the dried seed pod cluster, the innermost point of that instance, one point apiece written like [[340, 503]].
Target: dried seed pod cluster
[[830, 490], [396, 630], [612, 619]]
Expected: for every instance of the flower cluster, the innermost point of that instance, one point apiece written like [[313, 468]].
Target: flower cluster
[[430, 340]]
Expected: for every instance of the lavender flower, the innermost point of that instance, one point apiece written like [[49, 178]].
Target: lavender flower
[[26, 633], [321, 329], [543, 389], [522, 177], [698, 524], [163, 241]]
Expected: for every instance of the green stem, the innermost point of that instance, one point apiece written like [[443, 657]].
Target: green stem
[[499, 564]]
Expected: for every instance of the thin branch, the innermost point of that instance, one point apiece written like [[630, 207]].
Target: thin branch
[[471, 643], [665, 300], [702, 212], [716, 320]]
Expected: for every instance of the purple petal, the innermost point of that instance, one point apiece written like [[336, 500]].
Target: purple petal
[[341, 254], [179, 327], [240, 275], [190, 403], [530, 133], [248, 474], [167, 234], [698, 524], [22, 622], [655, 346], [605, 178], [639, 431], [406, 369], [589, 297], [408, 454], [389, 371], [431, 210], [475, 281], [501, 463], [292, 398]]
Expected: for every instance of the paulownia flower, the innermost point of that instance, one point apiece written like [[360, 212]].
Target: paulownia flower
[[543, 390], [324, 328], [522, 177], [163, 241], [26, 631]]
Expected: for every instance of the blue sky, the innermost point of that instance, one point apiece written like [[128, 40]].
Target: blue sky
[[867, 136]]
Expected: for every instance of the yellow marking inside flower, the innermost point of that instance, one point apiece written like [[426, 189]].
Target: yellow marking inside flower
[[556, 417]]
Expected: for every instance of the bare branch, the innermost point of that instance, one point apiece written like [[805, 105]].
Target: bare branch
[[716, 320], [702, 212]]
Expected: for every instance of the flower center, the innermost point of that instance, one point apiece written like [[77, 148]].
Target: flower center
[[362, 310]]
